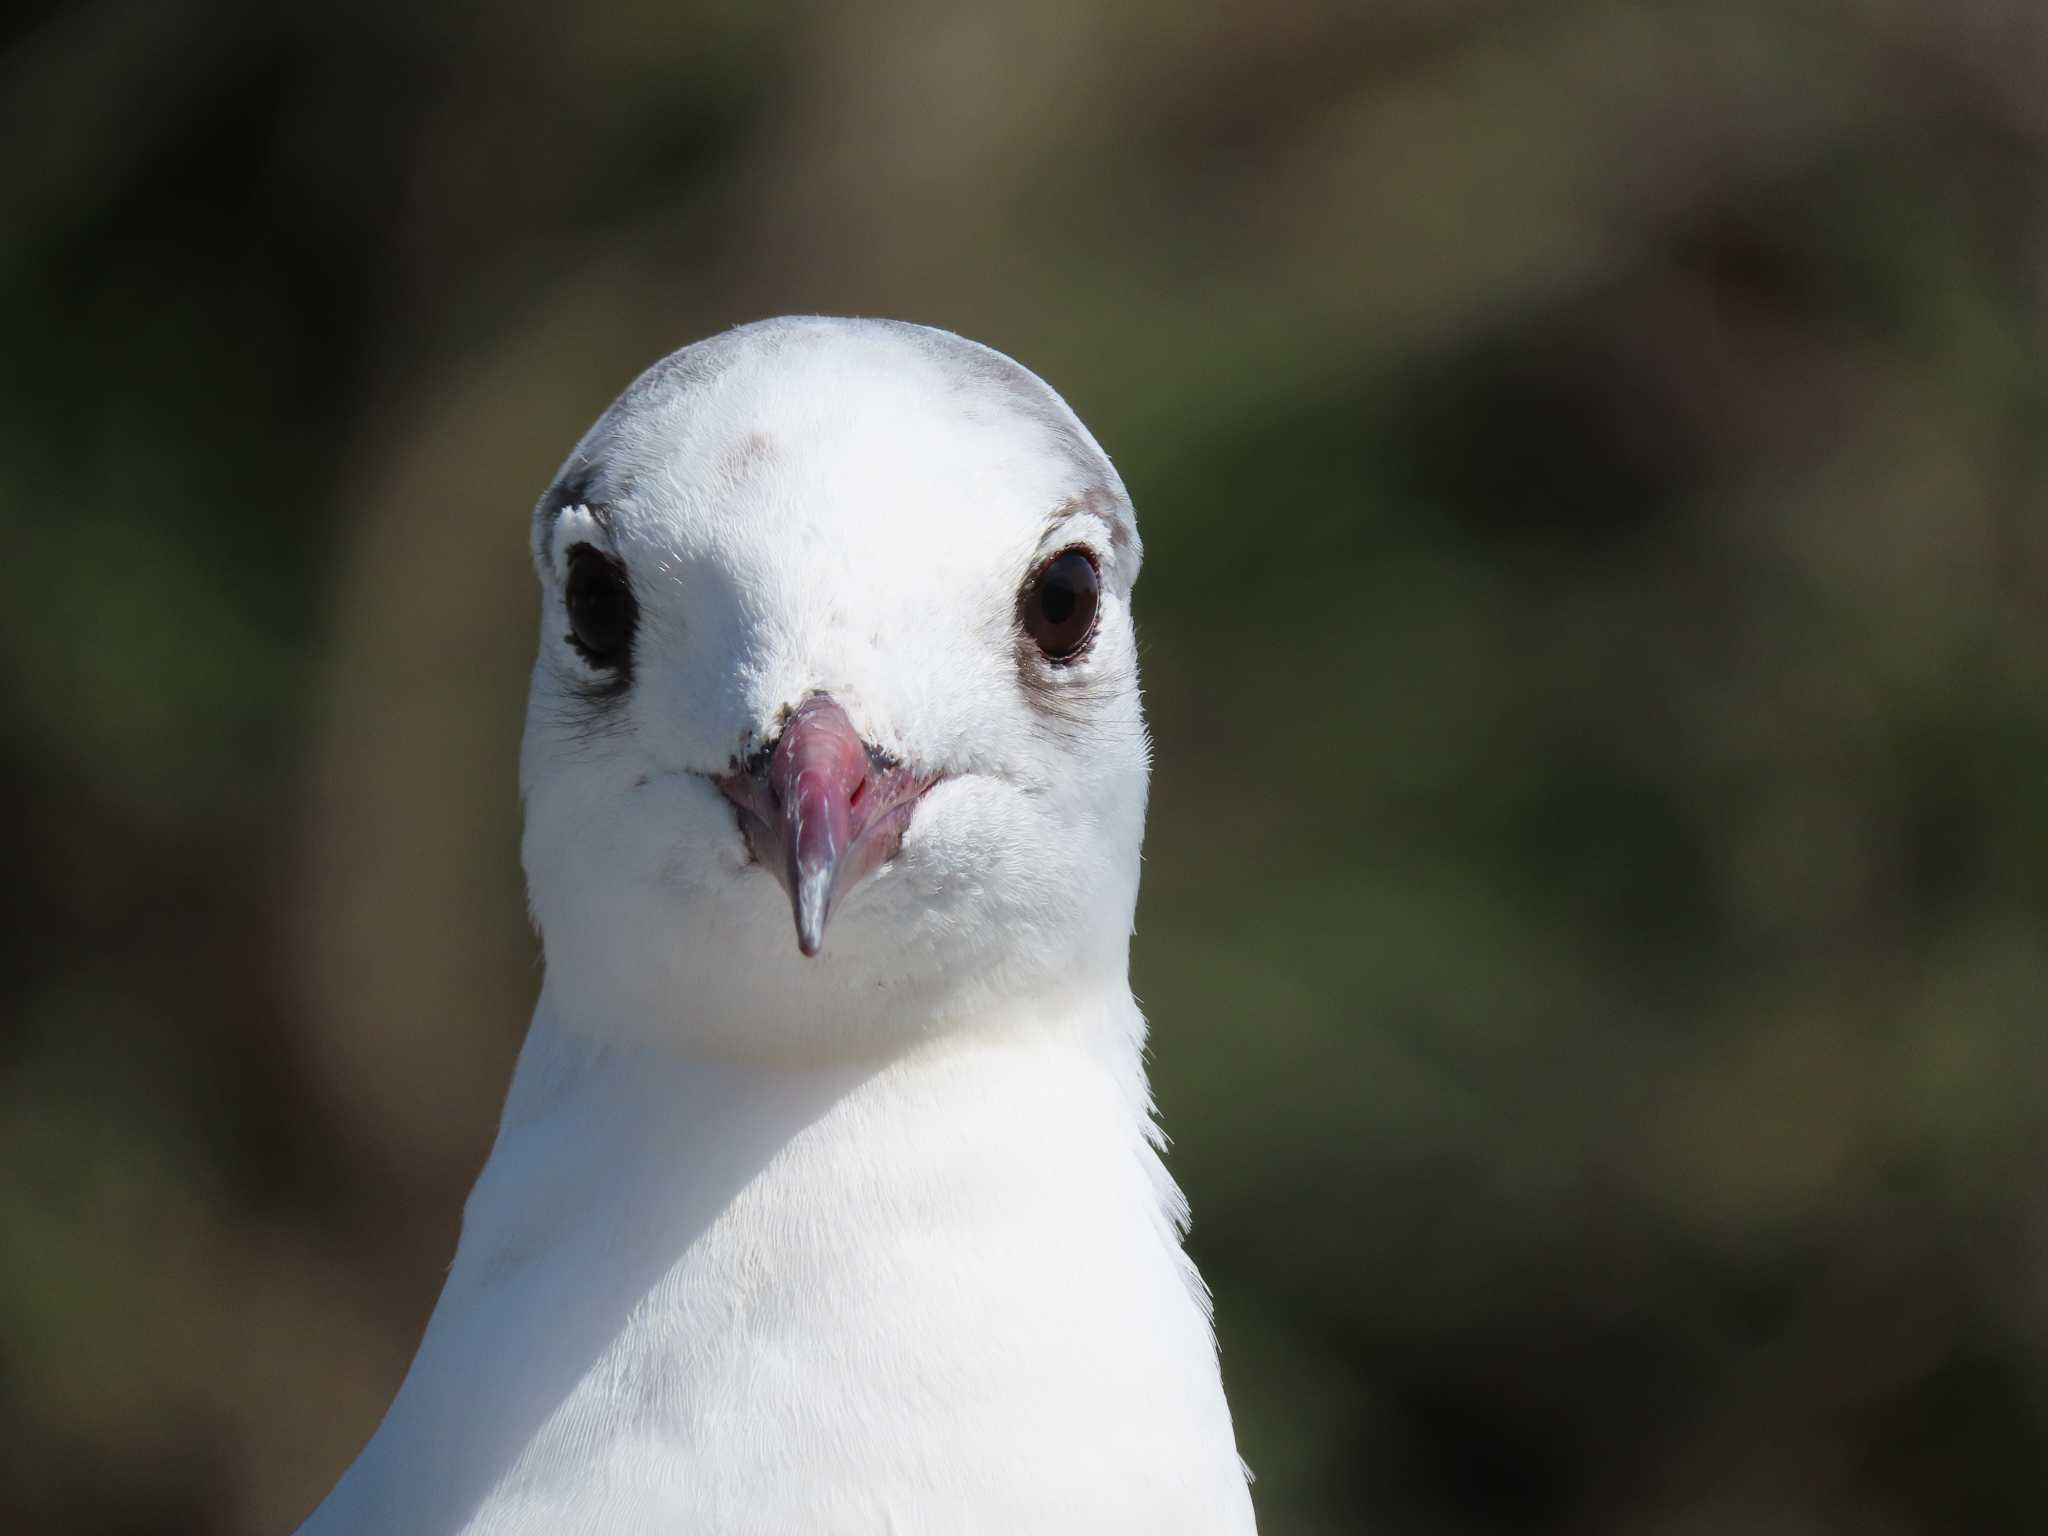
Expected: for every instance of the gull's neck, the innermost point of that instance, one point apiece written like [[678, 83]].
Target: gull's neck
[[748, 1294]]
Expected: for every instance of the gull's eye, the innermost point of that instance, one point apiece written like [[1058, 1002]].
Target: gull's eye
[[1059, 604], [602, 611]]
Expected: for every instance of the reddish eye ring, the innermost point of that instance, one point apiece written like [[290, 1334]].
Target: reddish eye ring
[[1061, 602]]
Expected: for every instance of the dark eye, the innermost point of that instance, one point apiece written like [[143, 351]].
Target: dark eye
[[1059, 604], [602, 611]]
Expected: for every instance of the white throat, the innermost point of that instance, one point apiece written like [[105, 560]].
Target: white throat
[[872, 1295]]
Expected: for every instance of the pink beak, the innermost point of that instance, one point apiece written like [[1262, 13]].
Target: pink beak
[[823, 812]]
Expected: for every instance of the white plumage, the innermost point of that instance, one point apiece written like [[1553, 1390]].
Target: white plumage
[[871, 1240]]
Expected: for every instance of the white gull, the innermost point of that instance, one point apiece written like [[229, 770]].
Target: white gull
[[860, 1227]]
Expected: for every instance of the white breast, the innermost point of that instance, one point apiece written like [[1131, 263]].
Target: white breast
[[942, 1295]]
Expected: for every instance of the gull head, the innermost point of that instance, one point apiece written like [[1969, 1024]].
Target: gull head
[[834, 734]]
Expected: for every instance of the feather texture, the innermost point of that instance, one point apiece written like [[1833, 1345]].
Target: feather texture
[[880, 1240]]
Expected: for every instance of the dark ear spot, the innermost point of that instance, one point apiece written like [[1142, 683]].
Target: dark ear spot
[[749, 455]]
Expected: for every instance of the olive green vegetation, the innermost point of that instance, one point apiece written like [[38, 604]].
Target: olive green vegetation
[[1593, 460]]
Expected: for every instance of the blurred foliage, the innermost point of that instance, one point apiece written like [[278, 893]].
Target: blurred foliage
[[1594, 466]]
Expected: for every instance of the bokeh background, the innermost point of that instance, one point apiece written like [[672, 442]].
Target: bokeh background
[[1593, 459]]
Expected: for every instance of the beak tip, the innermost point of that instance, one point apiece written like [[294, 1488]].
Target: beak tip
[[810, 801], [813, 907]]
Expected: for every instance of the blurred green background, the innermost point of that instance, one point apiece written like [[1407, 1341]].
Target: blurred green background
[[1593, 460]]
